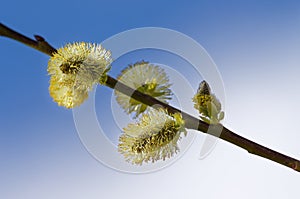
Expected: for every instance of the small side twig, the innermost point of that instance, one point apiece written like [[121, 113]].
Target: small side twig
[[190, 122], [39, 43]]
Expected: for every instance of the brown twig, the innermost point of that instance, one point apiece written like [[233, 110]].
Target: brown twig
[[39, 43], [190, 122]]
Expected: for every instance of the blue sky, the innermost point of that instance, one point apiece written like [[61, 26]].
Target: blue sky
[[255, 45]]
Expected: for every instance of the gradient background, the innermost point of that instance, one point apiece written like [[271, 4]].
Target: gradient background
[[256, 46]]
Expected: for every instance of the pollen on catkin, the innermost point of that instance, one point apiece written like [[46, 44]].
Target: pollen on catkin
[[74, 69], [153, 138], [146, 78]]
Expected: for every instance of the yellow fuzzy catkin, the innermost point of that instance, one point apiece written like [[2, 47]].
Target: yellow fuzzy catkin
[[146, 78], [74, 69], [154, 138]]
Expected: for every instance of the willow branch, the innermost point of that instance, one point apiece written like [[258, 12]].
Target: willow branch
[[190, 122], [39, 43]]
